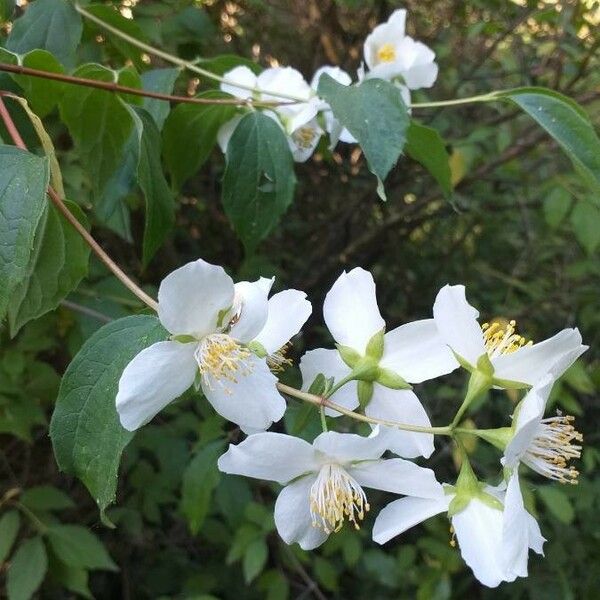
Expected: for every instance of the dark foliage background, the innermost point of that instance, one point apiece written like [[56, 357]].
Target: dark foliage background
[[521, 232]]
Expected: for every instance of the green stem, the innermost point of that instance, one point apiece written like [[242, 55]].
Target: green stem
[[479, 383], [180, 62], [323, 418], [457, 102], [32, 517], [321, 402], [339, 384]]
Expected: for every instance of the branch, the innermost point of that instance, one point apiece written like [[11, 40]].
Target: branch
[[115, 87]]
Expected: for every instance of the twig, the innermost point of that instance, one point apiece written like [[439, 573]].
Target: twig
[[84, 310], [122, 89]]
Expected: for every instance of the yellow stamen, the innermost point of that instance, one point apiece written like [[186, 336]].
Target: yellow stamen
[[502, 338], [278, 361], [387, 53], [220, 358], [304, 137], [334, 497], [552, 449]]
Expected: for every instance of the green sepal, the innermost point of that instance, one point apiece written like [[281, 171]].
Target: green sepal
[[258, 349], [350, 356], [485, 366], [463, 362], [497, 437], [183, 339], [507, 384], [198, 382], [318, 386], [365, 370], [375, 346], [222, 314], [365, 393], [490, 500], [458, 504], [392, 380]]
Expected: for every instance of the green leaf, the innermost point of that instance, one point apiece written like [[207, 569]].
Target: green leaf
[[160, 209], [159, 80], [79, 548], [114, 18], [255, 558], [59, 263], [426, 146], [99, 123], [9, 527], [558, 503], [259, 180], [585, 220], [42, 94], [87, 436], [23, 183], [75, 580], [375, 115], [200, 479], [52, 25], [556, 206], [567, 123], [190, 133], [27, 569], [46, 498]]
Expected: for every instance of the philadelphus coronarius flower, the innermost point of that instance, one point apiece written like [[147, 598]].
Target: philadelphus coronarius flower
[[492, 526], [298, 119], [383, 362], [514, 361], [324, 481], [545, 445], [391, 54], [222, 335]]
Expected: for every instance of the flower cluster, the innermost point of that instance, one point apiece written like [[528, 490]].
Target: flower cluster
[[229, 340], [389, 54]]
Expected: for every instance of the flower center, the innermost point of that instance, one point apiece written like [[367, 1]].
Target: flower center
[[387, 53], [334, 497], [304, 137], [552, 449], [221, 358], [501, 339]]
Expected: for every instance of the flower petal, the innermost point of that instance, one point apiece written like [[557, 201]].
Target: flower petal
[[252, 400], [191, 298], [271, 456], [287, 313], [239, 75], [330, 364], [402, 406], [292, 515], [417, 353], [226, 131], [400, 515], [398, 476], [250, 307], [156, 376], [478, 530], [529, 364], [334, 72], [351, 311], [515, 540], [347, 447], [456, 321]]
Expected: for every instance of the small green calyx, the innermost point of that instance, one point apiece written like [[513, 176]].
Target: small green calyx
[[485, 366], [350, 356], [366, 369], [497, 437], [365, 393], [221, 316], [392, 380], [375, 346], [258, 349]]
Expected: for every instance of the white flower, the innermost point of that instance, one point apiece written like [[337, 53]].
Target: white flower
[[298, 119], [544, 445], [389, 54], [323, 481], [222, 333], [493, 529], [332, 125], [414, 352], [516, 363]]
